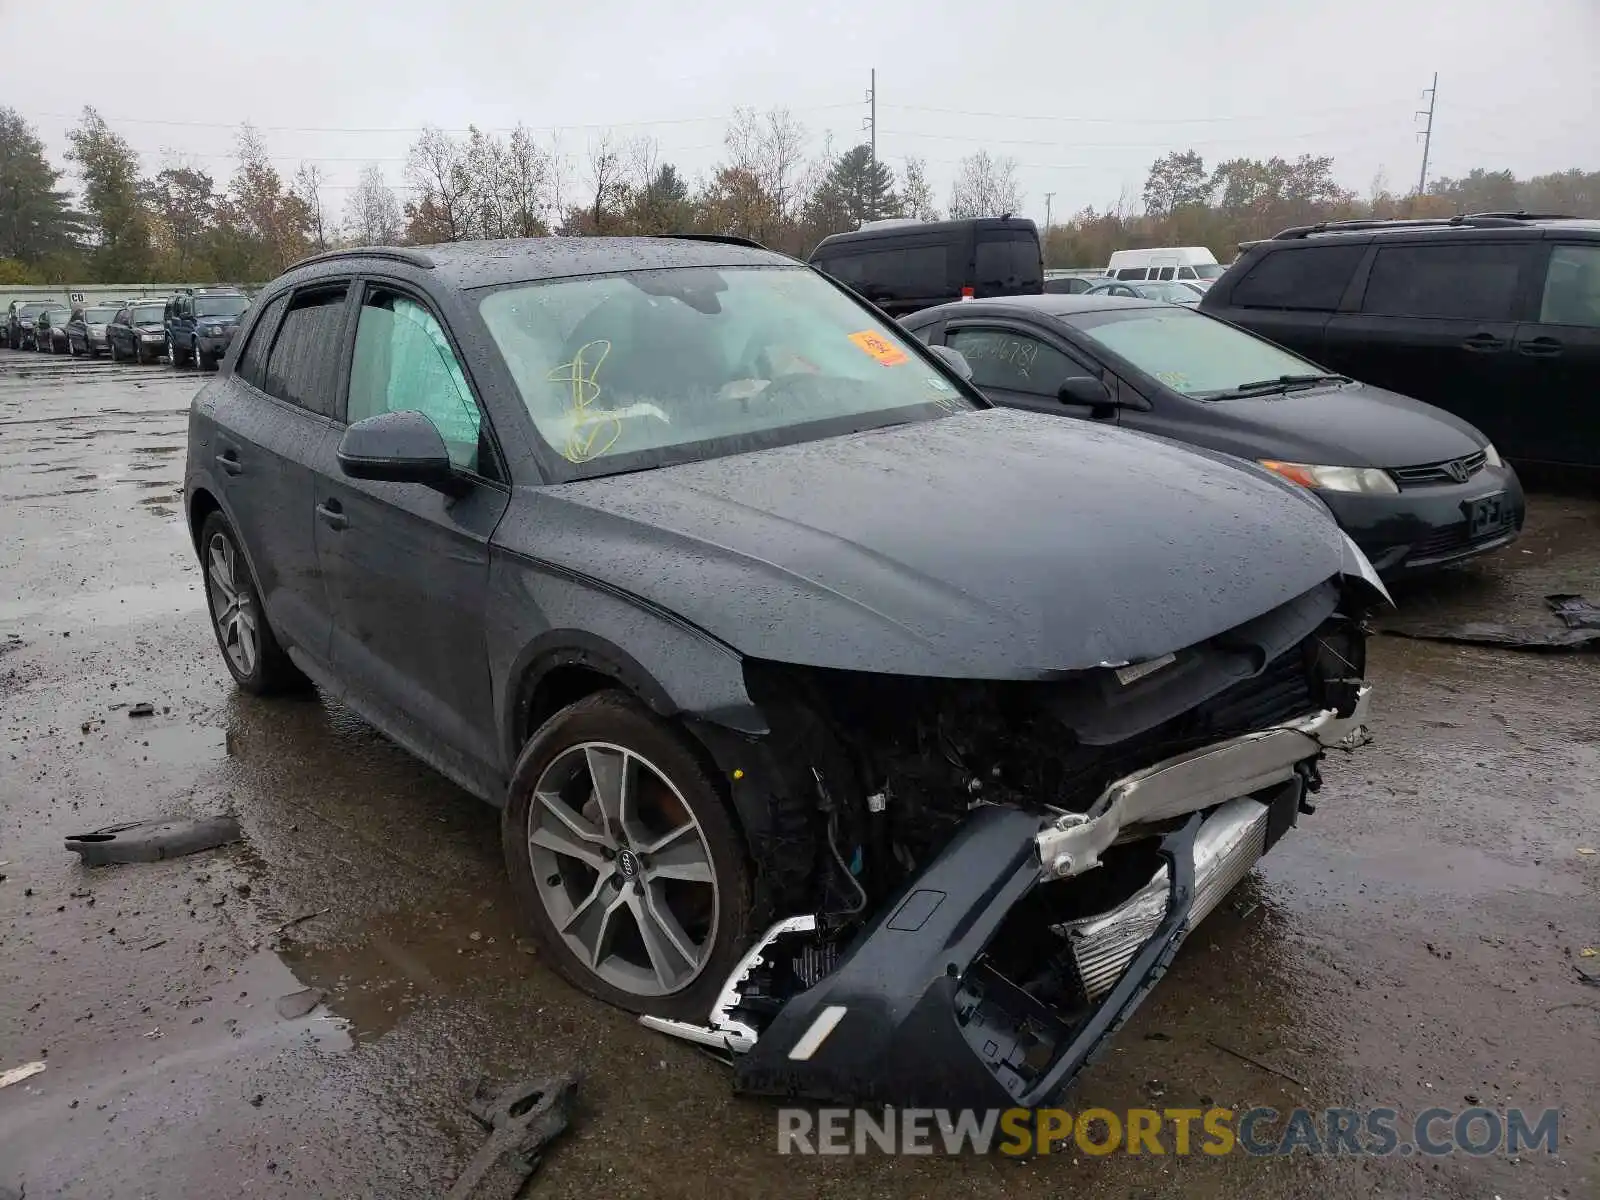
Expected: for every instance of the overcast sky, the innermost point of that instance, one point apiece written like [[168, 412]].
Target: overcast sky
[[1082, 93]]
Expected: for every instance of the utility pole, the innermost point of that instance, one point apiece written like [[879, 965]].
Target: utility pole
[[1048, 196], [871, 126], [1427, 134]]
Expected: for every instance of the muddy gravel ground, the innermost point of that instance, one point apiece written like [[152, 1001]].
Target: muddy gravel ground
[[1417, 942]]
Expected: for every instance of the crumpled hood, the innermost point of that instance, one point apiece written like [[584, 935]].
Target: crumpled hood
[[994, 544]]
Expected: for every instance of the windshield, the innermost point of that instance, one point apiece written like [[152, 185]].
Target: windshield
[[627, 371], [149, 314], [219, 306], [55, 316], [99, 316], [1187, 350], [1209, 270], [31, 310]]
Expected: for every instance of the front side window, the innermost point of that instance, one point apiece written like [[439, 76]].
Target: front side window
[[300, 364], [1017, 362], [1188, 351], [1209, 270], [1572, 287], [403, 363], [1464, 282], [640, 369]]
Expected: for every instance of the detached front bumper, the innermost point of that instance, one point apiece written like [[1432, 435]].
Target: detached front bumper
[[923, 1009]]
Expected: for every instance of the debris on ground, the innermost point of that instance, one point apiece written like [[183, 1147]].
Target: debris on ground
[[153, 841], [292, 921], [297, 1004], [18, 1074], [521, 1120], [1574, 611], [142, 709]]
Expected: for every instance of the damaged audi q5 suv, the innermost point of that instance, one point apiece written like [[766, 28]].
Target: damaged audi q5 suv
[[886, 742]]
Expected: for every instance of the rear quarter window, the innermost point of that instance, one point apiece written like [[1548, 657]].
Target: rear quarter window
[[252, 366], [1310, 278], [1466, 281]]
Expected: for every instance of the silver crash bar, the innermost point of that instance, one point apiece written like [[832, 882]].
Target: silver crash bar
[[1073, 842]]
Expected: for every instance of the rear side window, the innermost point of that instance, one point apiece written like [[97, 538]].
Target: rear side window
[[1013, 361], [1307, 278], [1136, 273], [1572, 287], [300, 366], [901, 270], [1465, 282], [252, 366]]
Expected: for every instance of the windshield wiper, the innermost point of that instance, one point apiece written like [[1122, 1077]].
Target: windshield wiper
[[1284, 381]]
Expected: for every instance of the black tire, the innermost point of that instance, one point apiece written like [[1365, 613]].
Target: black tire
[[617, 718], [272, 671], [202, 360], [111, 348]]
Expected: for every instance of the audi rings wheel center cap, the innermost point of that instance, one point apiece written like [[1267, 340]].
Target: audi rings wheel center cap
[[628, 864]]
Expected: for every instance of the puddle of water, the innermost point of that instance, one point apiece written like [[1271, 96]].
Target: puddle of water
[[115, 606]]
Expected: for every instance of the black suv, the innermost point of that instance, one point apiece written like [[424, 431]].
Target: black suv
[[1492, 316], [200, 325], [904, 266], [20, 321]]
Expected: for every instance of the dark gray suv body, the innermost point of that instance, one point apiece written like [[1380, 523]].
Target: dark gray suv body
[[691, 560]]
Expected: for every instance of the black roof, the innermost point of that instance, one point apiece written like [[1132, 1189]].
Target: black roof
[[920, 228], [1055, 304], [1489, 220], [518, 260]]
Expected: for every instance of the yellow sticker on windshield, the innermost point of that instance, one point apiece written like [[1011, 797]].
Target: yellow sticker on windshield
[[880, 347]]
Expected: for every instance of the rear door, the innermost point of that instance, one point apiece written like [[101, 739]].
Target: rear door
[[1007, 262], [271, 422], [1437, 322], [1021, 365], [409, 564], [1555, 363]]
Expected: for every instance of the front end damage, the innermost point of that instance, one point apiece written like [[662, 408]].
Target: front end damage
[[975, 883]]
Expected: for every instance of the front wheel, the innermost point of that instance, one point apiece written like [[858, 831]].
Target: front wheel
[[624, 859], [255, 659], [202, 360]]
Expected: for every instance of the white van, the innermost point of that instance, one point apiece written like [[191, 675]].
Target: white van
[[1164, 262]]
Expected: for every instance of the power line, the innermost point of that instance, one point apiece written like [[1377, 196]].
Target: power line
[[1077, 145], [1272, 116]]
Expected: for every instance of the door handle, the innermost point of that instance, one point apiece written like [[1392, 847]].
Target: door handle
[[1541, 347], [228, 460], [332, 514], [1484, 343]]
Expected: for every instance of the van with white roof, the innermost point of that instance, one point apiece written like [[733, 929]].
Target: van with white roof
[[1164, 262]]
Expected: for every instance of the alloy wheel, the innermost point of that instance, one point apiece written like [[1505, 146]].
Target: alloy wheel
[[231, 608], [623, 869]]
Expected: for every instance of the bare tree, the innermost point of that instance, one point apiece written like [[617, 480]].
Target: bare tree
[[985, 187], [530, 176], [607, 182], [768, 149], [372, 214], [434, 168], [916, 193], [308, 184]]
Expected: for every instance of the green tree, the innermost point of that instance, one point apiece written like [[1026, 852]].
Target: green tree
[[263, 225], [35, 220], [1176, 179], [112, 198], [184, 201], [661, 204], [854, 190]]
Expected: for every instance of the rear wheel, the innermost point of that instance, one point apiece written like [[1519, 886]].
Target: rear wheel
[[255, 659], [111, 345], [624, 860]]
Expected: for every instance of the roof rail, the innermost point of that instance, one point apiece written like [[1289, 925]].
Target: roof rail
[[1486, 220], [726, 239], [414, 258], [1523, 215]]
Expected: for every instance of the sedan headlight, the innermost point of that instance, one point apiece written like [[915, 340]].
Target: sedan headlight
[[1491, 456], [213, 330], [1369, 480]]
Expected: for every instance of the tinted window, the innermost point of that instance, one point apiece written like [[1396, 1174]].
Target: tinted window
[[1001, 358], [220, 306], [1186, 273], [99, 316], [149, 314], [1311, 278], [1131, 273], [1164, 273], [1572, 287], [252, 366], [905, 271], [1463, 281], [1209, 270], [300, 366], [1008, 260], [403, 363]]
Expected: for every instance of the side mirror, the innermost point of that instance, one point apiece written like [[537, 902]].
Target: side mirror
[[401, 447], [955, 360], [1085, 389]]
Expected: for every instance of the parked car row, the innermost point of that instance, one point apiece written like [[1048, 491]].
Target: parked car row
[[189, 328]]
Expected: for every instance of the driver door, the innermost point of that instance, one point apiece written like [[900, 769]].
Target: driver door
[[406, 564], [1021, 367]]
